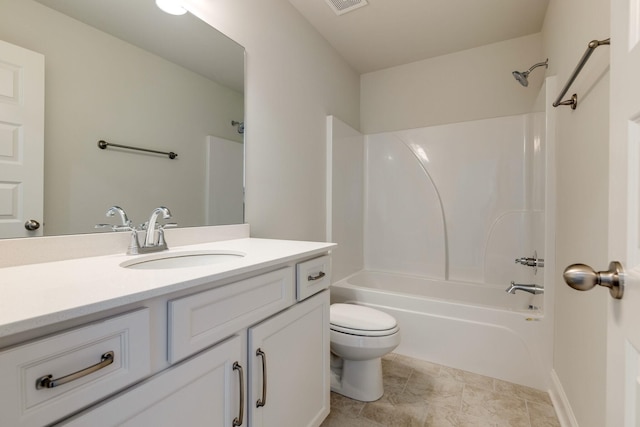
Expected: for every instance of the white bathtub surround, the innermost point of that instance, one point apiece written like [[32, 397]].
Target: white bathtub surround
[[460, 325], [454, 201], [345, 197], [447, 210]]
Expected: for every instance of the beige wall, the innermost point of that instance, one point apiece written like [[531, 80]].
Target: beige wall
[[582, 189], [87, 73], [469, 85], [294, 80]]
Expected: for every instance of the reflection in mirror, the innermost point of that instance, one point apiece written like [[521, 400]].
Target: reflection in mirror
[[174, 85]]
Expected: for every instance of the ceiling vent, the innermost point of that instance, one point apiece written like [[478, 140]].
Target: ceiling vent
[[340, 7]]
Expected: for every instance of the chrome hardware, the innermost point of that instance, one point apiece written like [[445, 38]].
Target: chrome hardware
[[237, 421], [151, 243], [150, 239], [318, 276], [532, 289], [113, 210], [523, 76], [126, 222], [534, 262], [134, 243], [530, 262], [583, 278], [32, 225], [47, 381], [263, 401]]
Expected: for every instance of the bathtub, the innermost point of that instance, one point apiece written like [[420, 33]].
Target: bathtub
[[477, 328]]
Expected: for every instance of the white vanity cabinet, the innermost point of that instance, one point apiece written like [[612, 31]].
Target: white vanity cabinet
[[49, 378], [289, 366], [247, 347], [201, 391]]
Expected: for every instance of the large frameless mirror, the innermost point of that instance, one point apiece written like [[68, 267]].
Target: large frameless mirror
[[125, 72]]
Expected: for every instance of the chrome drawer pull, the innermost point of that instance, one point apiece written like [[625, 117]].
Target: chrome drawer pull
[[316, 277], [263, 401], [47, 381], [239, 419]]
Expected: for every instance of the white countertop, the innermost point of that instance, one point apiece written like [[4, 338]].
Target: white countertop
[[37, 295]]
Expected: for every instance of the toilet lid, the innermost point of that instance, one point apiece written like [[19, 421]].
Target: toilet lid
[[345, 317]]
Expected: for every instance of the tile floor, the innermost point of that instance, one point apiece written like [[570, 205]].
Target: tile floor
[[419, 393]]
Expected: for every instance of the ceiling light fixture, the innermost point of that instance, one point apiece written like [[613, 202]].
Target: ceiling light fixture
[[172, 7]]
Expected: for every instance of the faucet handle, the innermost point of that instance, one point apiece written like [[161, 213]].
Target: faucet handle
[[124, 228], [115, 227], [168, 225]]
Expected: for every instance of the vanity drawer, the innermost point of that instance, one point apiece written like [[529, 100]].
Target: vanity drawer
[[105, 357], [313, 276], [200, 320]]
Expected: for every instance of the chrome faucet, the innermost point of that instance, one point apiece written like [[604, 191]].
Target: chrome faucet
[[532, 289], [151, 243], [112, 211], [127, 225]]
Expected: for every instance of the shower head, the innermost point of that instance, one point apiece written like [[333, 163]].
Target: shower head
[[522, 76]]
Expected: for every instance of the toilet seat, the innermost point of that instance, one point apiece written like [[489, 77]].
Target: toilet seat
[[358, 320], [364, 333]]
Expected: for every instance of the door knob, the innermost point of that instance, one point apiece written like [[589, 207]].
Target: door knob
[[31, 225], [582, 277]]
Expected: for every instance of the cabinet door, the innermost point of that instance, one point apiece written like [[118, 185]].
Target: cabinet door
[[294, 346], [201, 391]]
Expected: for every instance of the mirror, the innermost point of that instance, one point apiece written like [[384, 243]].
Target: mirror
[[127, 73]]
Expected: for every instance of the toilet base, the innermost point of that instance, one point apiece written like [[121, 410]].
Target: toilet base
[[358, 379]]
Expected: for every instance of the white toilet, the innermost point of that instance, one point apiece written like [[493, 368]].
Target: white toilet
[[360, 336]]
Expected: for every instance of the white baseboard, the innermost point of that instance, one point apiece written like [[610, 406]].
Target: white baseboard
[[561, 403]]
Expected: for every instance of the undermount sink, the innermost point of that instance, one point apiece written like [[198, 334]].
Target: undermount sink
[[185, 259]]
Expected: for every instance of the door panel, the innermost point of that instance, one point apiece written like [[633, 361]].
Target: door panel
[[623, 350], [21, 140]]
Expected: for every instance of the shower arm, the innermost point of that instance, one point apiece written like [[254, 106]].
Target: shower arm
[[573, 101], [539, 64]]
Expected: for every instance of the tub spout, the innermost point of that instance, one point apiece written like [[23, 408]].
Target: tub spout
[[532, 289]]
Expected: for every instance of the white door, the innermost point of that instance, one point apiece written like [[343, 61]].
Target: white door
[[21, 141], [623, 334]]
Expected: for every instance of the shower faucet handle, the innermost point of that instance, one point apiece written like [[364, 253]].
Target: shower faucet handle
[[530, 262], [533, 261]]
